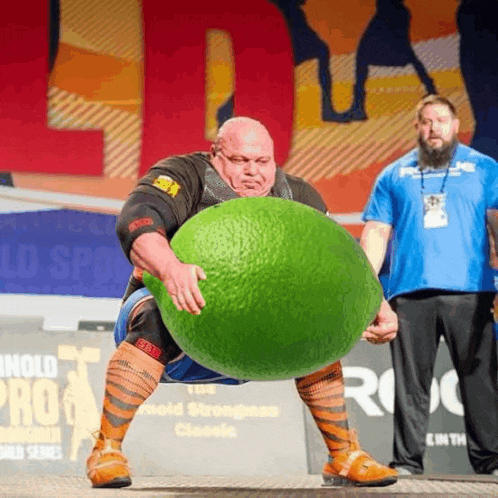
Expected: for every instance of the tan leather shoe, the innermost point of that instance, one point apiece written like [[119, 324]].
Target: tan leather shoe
[[355, 467], [107, 467]]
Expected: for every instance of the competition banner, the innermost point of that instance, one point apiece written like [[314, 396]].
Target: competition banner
[[51, 392], [61, 252], [369, 393], [122, 84]]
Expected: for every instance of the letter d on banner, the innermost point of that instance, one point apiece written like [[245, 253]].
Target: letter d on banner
[[175, 74]]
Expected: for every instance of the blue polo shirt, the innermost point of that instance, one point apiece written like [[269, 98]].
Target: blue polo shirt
[[450, 253]]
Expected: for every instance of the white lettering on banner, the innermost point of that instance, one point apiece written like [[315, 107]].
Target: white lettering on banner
[[204, 410], [449, 385], [32, 451], [445, 439], [30, 434], [173, 409], [386, 390], [383, 386], [11, 452], [21, 261], [44, 452], [75, 262], [202, 389], [46, 401], [28, 366], [458, 439], [362, 394], [237, 412], [441, 439], [429, 439], [31, 397], [41, 400], [455, 170], [466, 166], [21, 409], [30, 404], [188, 430]]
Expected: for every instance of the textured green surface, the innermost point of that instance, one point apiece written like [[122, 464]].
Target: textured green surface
[[288, 291]]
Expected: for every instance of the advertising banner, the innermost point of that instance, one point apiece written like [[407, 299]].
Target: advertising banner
[[61, 252], [131, 82], [369, 392], [51, 391]]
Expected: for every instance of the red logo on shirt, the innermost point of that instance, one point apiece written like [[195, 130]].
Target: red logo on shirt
[[139, 223], [148, 348]]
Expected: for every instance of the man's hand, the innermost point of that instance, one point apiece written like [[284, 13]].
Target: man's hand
[[384, 327], [151, 252], [181, 282]]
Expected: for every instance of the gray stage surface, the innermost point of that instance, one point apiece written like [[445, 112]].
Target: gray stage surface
[[247, 487]]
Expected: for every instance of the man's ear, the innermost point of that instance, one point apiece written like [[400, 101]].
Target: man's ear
[[456, 125]]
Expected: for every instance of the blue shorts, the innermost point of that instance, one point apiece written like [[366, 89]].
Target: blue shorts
[[183, 370]]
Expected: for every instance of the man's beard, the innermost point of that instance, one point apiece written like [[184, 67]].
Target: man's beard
[[435, 158]]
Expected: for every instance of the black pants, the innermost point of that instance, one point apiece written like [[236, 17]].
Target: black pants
[[465, 321]]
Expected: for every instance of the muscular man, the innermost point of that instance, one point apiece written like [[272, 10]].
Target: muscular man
[[435, 201], [240, 164]]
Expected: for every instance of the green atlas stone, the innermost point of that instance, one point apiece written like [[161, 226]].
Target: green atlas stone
[[288, 290]]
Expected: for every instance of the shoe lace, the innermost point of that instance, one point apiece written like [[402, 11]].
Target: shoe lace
[[354, 446], [98, 435]]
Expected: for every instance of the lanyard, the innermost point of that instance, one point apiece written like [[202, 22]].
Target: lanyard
[[422, 186]]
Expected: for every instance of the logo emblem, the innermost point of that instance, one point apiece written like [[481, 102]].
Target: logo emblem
[[167, 184]]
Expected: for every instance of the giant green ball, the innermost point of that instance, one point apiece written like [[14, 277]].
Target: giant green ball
[[288, 290]]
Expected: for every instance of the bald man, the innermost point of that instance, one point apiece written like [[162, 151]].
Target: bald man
[[240, 164]]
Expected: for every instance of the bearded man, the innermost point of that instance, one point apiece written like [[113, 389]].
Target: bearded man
[[433, 202]]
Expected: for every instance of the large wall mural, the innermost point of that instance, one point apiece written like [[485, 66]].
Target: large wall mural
[[335, 81]]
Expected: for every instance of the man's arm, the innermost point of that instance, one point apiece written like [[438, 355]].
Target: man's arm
[[374, 240], [152, 252], [152, 214], [141, 228], [492, 227]]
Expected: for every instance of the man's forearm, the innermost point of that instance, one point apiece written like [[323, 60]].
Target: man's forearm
[[492, 226], [375, 252], [374, 241], [152, 252]]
